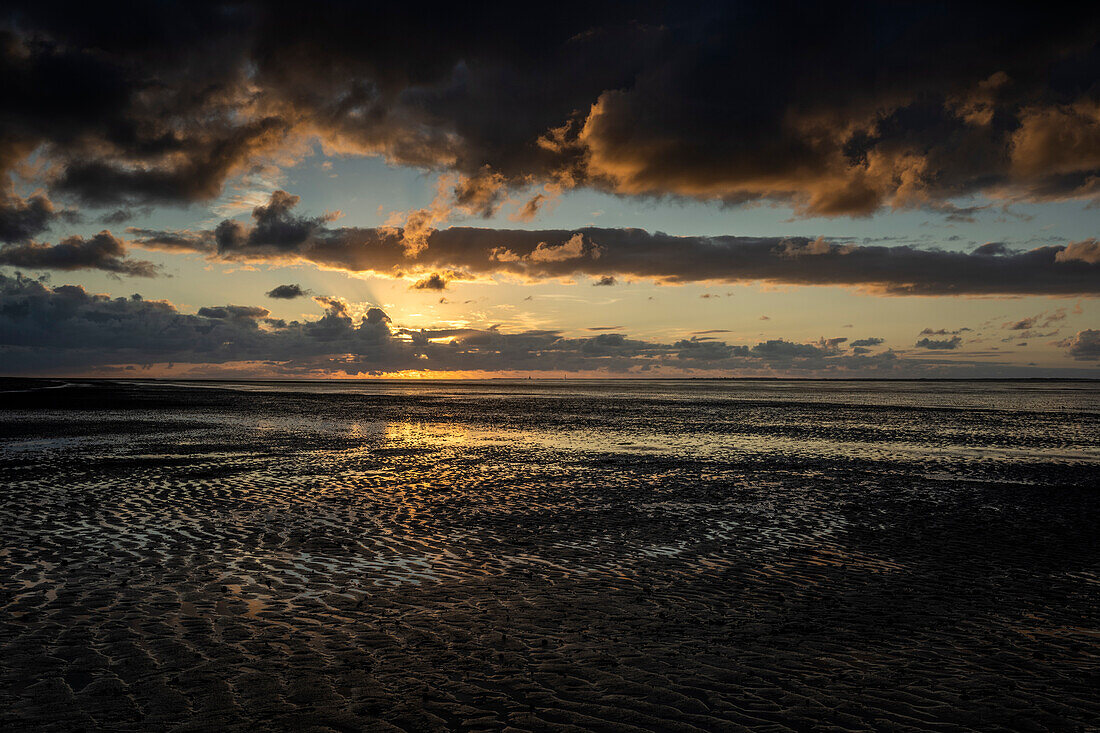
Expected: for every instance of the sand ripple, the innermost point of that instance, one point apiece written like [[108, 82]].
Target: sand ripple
[[259, 562]]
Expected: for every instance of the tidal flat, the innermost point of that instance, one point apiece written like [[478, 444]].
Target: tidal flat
[[613, 556]]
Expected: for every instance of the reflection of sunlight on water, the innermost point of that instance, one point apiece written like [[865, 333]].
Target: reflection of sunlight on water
[[442, 435], [607, 421], [422, 434]]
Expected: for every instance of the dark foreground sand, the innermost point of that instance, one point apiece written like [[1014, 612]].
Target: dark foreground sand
[[216, 561]]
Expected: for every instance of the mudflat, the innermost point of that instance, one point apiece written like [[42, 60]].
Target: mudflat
[[549, 556]]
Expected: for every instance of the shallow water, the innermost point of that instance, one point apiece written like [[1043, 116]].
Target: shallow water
[[606, 555]]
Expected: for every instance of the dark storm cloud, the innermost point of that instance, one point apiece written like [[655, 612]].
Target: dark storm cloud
[[134, 101], [836, 108], [287, 292], [852, 106], [103, 251], [66, 327], [277, 233], [209, 163], [21, 219]]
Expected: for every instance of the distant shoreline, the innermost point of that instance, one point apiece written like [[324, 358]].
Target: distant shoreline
[[405, 380]]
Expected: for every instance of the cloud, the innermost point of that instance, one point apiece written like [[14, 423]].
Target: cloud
[[67, 329], [102, 251], [1057, 141], [243, 312], [123, 215], [23, 218], [576, 247], [939, 344], [335, 306], [780, 350], [1084, 251], [689, 100], [531, 208], [481, 194], [832, 344], [278, 234], [435, 281], [287, 292], [1084, 345], [942, 332], [274, 230], [169, 241], [1040, 319], [873, 341], [992, 249], [703, 350], [1055, 317], [1023, 324], [605, 280], [897, 139]]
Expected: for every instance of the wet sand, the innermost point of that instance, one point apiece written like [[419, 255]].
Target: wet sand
[[209, 559]]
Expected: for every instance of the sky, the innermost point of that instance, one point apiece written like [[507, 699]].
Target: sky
[[347, 190]]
